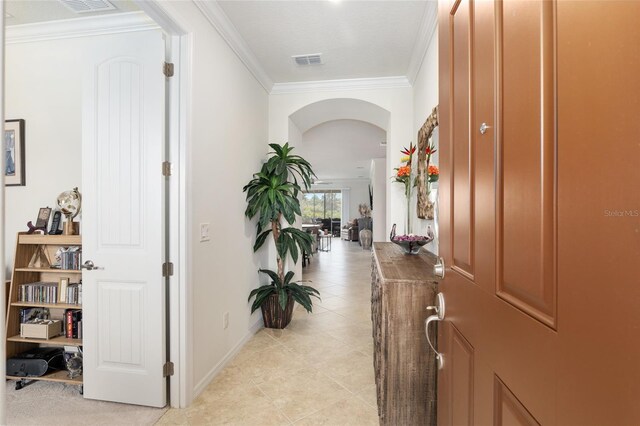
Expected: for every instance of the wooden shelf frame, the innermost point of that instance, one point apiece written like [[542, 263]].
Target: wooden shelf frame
[[46, 305], [26, 245], [52, 240], [60, 376], [50, 270], [54, 341]]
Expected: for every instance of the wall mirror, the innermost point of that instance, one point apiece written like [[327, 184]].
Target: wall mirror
[[426, 138]]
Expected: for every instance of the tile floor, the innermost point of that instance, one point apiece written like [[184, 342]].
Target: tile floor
[[318, 371]]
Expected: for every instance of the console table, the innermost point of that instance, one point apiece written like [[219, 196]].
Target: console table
[[405, 367]]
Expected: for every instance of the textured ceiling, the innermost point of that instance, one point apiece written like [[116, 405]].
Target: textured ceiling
[[357, 39], [32, 11]]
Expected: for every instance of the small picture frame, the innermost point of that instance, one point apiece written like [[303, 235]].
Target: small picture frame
[[43, 218], [63, 283], [14, 171]]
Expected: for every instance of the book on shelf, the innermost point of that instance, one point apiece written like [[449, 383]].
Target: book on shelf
[[30, 314], [38, 292], [63, 283], [73, 323], [70, 258], [74, 293], [51, 293]]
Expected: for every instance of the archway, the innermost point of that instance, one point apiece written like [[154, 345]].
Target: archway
[[366, 118]]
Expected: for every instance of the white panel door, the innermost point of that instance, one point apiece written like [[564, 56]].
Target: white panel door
[[123, 232]]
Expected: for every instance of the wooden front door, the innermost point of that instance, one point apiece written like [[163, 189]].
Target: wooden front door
[[540, 212]]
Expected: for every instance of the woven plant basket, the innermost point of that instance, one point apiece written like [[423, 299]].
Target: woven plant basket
[[273, 315]]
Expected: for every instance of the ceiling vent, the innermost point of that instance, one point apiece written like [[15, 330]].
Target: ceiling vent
[[304, 60], [85, 6]]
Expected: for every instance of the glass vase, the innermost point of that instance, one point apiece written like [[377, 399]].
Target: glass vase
[[407, 228]]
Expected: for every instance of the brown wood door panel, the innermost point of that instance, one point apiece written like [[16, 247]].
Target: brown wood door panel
[[462, 152], [490, 325], [545, 305], [599, 212], [485, 147], [526, 140], [506, 342], [461, 391], [508, 410]]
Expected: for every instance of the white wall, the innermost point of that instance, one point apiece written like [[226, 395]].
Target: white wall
[[379, 179], [398, 101], [425, 97], [43, 86], [228, 140]]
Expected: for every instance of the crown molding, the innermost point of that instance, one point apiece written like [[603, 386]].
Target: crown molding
[[221, 23], [425, 35], [80, 27], [345, 84]]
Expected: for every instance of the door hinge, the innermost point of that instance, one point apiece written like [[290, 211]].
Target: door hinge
[[167, 69], [166, 168], [167, 369], [167, 269]]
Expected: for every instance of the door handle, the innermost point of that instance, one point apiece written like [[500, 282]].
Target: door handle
[[89, 266], [483, 128], [439, 268], [439, 308], [439, 316]]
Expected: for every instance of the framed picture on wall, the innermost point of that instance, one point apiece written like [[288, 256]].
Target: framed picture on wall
[[14, 172]]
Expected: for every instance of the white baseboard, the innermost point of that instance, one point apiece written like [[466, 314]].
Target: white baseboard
[[202, 384]]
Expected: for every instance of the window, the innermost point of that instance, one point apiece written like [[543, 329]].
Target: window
[[321, 205]]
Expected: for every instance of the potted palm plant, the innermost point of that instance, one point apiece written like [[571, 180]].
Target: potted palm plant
[[272, 195]]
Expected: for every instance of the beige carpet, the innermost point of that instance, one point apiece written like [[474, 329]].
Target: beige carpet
[[46, 403]]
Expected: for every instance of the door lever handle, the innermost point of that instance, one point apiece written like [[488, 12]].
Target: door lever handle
[[439, 308], [89, 266], [439, 268], [439, 357]]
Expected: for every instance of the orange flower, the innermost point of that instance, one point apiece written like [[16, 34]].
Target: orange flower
[[433, 170], [404, 171]]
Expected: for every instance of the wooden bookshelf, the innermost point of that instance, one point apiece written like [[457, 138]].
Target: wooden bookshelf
[[26, 246]]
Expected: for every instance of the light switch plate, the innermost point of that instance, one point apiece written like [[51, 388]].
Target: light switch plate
[[204, 232]]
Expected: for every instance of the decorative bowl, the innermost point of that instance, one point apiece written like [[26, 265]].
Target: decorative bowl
[[410, 244]]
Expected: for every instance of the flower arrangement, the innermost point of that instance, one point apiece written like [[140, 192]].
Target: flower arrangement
[[433, 172], [404, 176], [403, 173], [409, 242]]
